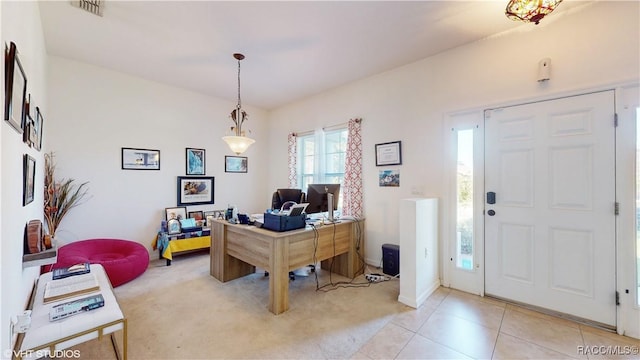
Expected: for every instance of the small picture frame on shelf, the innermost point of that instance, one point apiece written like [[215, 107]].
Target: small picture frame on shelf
[[173, 226], [178, 213], [196, 215], [199, 218], [195, 161]]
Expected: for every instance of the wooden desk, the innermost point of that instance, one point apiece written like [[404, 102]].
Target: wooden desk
[[236, 250], [50, 338]]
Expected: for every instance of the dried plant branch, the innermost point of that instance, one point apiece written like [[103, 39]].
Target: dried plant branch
[[60, 196]]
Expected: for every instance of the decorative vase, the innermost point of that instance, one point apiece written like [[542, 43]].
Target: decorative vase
[[47, 240]]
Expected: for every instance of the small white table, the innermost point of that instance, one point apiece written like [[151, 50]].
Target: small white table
[[45, 338]]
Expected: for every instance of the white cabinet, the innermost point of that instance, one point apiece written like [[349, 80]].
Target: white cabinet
[[418, 250]]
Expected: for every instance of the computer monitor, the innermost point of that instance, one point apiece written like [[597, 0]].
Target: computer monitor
[[318, 199]]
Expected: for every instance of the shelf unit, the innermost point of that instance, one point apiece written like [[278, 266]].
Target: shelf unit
[[46, 257]]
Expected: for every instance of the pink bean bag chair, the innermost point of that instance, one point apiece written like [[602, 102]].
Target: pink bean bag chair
[[123, 260]]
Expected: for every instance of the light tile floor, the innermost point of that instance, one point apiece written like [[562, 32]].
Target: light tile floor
[[456, 325]]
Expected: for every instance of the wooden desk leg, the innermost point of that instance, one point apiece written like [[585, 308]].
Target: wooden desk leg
[[279, 277]]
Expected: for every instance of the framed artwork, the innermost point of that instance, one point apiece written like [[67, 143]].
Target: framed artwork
[[37, 126], [15, 83], [177, 213], [29, 177], [195, 190], [235, 164], [28, 123], [389, 153], [140, 159], [195, 161], [389, 178], [28, 137]]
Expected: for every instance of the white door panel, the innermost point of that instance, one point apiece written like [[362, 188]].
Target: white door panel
[[551, 240]]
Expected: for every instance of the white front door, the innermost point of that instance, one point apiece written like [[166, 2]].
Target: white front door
[[550, 233]]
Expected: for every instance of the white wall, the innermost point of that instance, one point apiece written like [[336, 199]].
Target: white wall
[[90, 113], [20, 24], [94, 112], [594, 45]]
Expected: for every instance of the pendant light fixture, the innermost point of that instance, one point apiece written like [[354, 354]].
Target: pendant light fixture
[[238, 143], [530, 10]]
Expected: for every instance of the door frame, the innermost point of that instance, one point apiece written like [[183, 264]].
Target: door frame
[[628, 314]]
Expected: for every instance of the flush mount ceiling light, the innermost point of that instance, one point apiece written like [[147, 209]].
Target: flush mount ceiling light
[[238, 143], [530, 10]]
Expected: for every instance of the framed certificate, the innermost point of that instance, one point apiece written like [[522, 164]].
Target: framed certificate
[[389, 153]]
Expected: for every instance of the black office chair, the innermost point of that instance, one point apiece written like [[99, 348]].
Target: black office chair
[[282, 196]]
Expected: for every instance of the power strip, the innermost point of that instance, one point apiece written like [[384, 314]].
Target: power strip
[[372, 278]]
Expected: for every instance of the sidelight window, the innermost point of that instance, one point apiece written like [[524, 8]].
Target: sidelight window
[[464, 200]]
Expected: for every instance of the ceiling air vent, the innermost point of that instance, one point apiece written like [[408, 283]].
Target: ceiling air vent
[[95, 7]]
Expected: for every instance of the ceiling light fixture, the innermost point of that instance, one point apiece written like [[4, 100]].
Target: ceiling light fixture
[[238, 143], [530, 10]]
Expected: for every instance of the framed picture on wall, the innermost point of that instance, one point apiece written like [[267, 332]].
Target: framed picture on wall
[[29, 178], [27, 126], [389, 153], [195, 161], [37, 127], [235, 164], [195, 190], [15, 83], [140, 159]]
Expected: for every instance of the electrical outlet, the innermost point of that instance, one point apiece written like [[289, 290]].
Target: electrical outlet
[[23, 322]]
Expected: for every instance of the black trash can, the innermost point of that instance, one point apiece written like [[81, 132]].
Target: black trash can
[[391, 259]]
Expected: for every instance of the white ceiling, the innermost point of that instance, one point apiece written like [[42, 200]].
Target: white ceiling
[[293, 49]]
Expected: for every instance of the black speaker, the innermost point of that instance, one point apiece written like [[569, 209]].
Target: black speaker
[[391, 259]]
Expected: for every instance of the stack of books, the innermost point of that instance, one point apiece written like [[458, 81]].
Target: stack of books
[[70, 282]]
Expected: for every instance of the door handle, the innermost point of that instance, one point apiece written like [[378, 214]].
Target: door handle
[[491, 197], [491, 212]]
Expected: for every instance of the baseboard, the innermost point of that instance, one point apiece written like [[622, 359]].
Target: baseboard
[[421, 298]]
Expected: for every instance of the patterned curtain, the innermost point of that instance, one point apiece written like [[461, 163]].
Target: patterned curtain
[[293, 160], [352, 200]]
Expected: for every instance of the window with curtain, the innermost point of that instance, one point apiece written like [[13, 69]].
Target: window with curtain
[[321, 158]]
